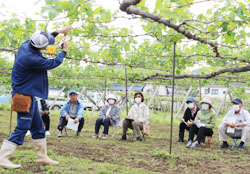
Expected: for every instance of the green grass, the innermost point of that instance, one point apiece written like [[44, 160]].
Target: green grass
[[87, 155]]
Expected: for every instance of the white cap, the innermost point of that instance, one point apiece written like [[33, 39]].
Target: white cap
[[111, 96], [41, 39]]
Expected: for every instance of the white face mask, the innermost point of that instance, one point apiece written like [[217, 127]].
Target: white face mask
[[137, 100], [111, 101], [204, 107], [190, 105], [236, 108]]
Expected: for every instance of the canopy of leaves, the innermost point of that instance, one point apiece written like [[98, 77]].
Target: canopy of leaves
[[99, 51]]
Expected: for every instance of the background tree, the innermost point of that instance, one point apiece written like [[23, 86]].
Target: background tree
[[216, 41]]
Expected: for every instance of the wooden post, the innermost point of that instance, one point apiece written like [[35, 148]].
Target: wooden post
[[153, 96], [222, 103], [229, 93], [162, 109], [183, 102], [80, 93], [94, 108], [91, 100], [126, 91], [56, 98], [123, 99]]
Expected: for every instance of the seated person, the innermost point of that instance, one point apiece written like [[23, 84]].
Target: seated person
[[108, 116], [189, 114], [238, 119], [44, 112], [203, 125], [72, 109], [137, 116]]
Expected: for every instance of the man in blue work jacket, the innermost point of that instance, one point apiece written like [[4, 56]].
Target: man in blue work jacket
[[29, 77]]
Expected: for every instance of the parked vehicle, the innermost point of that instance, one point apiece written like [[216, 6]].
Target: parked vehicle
[[88, 105], [57, 105]]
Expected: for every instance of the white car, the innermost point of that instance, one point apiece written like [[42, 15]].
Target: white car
[[87, 104]]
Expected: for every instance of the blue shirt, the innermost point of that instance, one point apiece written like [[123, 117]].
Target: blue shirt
[[29, 73], [66, 109]]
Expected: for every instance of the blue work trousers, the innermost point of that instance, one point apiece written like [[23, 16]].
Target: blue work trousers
[[28, 121]]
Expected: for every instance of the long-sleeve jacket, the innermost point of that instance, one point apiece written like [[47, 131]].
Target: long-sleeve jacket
[[65, 109], [243, 117], [207, 117], [29, 73], [188, 114], [141, 113], [114, 113]]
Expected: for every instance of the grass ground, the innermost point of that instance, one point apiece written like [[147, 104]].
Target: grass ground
[[87, 155]]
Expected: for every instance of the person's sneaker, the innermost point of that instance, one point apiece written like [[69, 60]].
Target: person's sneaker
[[27, 133], [139, 139], [47, 133], [123, 138], [60, 134], [195, 145], [95, 136], [105, 137], [79, 134], [224, 146], [189, 144], [241, 147]]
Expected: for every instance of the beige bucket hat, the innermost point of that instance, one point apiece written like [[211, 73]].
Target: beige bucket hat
[[206, 100]]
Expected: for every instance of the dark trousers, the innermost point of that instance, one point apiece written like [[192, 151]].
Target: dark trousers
[[201, 132], [46, 121], [182, 129], [105, 123], [63, 122]]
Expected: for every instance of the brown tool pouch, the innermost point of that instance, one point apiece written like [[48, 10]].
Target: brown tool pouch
[[21, 103]]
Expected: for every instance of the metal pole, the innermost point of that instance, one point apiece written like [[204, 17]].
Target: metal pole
[[200, 88], [172, 106], [126, 93], [105, 90]]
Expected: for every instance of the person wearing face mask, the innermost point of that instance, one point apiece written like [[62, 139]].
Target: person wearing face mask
[[206, 122], [189, 114], [239, 119], [108, 116], [137, 116]]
